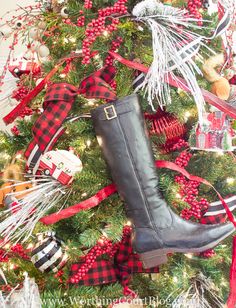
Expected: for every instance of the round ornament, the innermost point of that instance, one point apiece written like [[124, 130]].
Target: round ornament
[[64, 12], [43, 51], [49, 254]]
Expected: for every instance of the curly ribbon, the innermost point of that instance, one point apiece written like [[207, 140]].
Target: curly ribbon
[[110, 189], [179, 82]]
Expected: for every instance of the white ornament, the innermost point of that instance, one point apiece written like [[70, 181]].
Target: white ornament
[[64, 12], [6, 31], [34, 33], [43, 51]]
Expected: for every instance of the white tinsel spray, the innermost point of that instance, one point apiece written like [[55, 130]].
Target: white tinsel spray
[[174, 46], [27, 297], [201, 294], [18, 222]]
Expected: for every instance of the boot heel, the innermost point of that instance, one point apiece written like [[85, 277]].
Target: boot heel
[[153, 258]]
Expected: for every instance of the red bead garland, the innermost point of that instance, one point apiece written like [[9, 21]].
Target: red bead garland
[[98, 27], [104, 245], [193, 8], [189, 189], [15, 131], [19, 250]]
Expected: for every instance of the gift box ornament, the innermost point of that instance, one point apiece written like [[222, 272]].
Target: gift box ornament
[[49, 253], [56, 171], [216, 134]]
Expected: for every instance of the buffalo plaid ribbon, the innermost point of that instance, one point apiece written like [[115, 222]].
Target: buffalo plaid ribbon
[[124, 264], [57, 105], [216, 213]]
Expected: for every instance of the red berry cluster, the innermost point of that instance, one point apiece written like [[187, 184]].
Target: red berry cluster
[[193, 8], [19, 250], [189, 189], [103, 246], [15, 131], [180, 144], [88, 4], [114, 46], [97, 27], [80, 21], [183, 159], [3, 256], [20, 93], [59, 275], [208, 253], [26, 112], [6, 288]]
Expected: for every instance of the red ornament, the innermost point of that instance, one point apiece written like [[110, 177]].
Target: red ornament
[[164, 123]]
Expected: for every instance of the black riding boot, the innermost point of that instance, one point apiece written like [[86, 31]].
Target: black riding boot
[[121, 133]]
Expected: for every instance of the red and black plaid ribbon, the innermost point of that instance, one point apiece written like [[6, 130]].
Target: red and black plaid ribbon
[[216, 213], [57, 105], [124, 264]]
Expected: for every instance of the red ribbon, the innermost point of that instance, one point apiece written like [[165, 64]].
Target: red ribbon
[[110, 189], [84, 205], [231, 302], [179, 82]]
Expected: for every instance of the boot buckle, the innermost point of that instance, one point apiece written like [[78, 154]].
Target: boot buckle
[[110, 112]]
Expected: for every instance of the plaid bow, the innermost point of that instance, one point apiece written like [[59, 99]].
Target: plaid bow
[[124, 264], [216, 214], [58, 103]]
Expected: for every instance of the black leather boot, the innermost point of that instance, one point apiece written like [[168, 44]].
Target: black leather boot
[[121, 133]]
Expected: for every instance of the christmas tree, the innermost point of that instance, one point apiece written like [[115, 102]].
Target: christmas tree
[[78, 177]]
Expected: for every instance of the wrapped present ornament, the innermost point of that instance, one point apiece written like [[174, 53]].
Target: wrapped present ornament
[[215, 134], [49, 254], [55, 173]]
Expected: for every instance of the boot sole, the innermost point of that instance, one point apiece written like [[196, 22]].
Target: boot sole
[[159, 256]]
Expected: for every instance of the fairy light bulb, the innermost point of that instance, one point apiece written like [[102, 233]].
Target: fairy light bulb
[[72, 39], [105, 33], [178, 196], [30, 246], [88, 143], [129, 223], [62, 75], [189, 255], [230, 181], [187, 115], [175, 279]]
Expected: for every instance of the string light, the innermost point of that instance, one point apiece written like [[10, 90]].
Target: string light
[[129, 223], [178, 196], [72, 39], [84, 195], [88, 143], [189, 255], [65, 40], [230, 181], [62, 75], [30, 246], [187, 114], [175, 279], [105, 33]]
